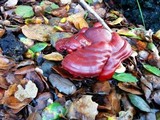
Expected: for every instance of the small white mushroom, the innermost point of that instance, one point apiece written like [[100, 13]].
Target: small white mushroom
[[120, 69]]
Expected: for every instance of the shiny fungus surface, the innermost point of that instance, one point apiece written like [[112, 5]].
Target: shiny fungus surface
[[93, 52]]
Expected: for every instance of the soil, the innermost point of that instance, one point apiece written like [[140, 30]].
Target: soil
[[12, 47], [150, 10]]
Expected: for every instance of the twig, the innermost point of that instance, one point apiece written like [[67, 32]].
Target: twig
[[84, 4]]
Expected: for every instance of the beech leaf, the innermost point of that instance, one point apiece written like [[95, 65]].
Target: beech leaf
[[38, 47], [152, 69], [125, 77], [139, 103], [24, 11]]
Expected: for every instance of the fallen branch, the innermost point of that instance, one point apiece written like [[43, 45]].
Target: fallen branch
[[84, 4]]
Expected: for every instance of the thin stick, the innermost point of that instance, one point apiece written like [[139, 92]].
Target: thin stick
[[82, 2]]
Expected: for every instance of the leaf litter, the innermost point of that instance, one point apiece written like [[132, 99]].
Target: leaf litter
[[33, 83]]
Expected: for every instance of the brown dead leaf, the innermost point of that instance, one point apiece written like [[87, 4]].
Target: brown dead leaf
[[102, 87], [25, 70], [155, 80], [130, 87], [14, 103], [34, 76], [156, 96], [114, 101], [34, 116], [83, 108], [5, 63], [11, 90], [42, 99], [61, 12], [1, 94], [129, 110], [141, 45], [78, 20], [40, 32], [54, 56], [146, 87], [3, 83]]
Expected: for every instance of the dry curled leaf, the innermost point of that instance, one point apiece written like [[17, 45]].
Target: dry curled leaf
[[25, 70], [130, 87], [83, 108], [40, 32], [54, 56], [6, 63]]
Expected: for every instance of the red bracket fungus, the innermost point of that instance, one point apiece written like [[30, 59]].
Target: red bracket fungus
[[93, 52]]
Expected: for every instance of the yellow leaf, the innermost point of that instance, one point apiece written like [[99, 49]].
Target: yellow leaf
[[117, 21], [54, 56], [78, 20], [158, 34]]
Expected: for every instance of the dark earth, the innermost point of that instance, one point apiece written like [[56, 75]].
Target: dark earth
[[149, 8]]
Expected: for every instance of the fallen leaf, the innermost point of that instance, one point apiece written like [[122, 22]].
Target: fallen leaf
[[115, 22], [61, 12], [5, 63], [128, 33], [14, 103], [83, 108], [62, 84], [157, 34], [54, 56], [114, 101], [155, 96], [103, 87], [11, 3], [154, 80], [3, 83], [40, 32], [152, 69], [130, 87], [42, 100], [139, 103], [53, 111], [34, 116], [59, 35], [25, 70], [125, 77], [24, 11], [34, 77], [30, 91], [38, 47], [78, 20]]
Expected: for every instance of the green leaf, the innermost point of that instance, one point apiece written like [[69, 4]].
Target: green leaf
[[24, 11], [54, 6], [38, 47], [152, 69], [139, 103], [89, 1], [125, 77], [53, 112], [158, 115]]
